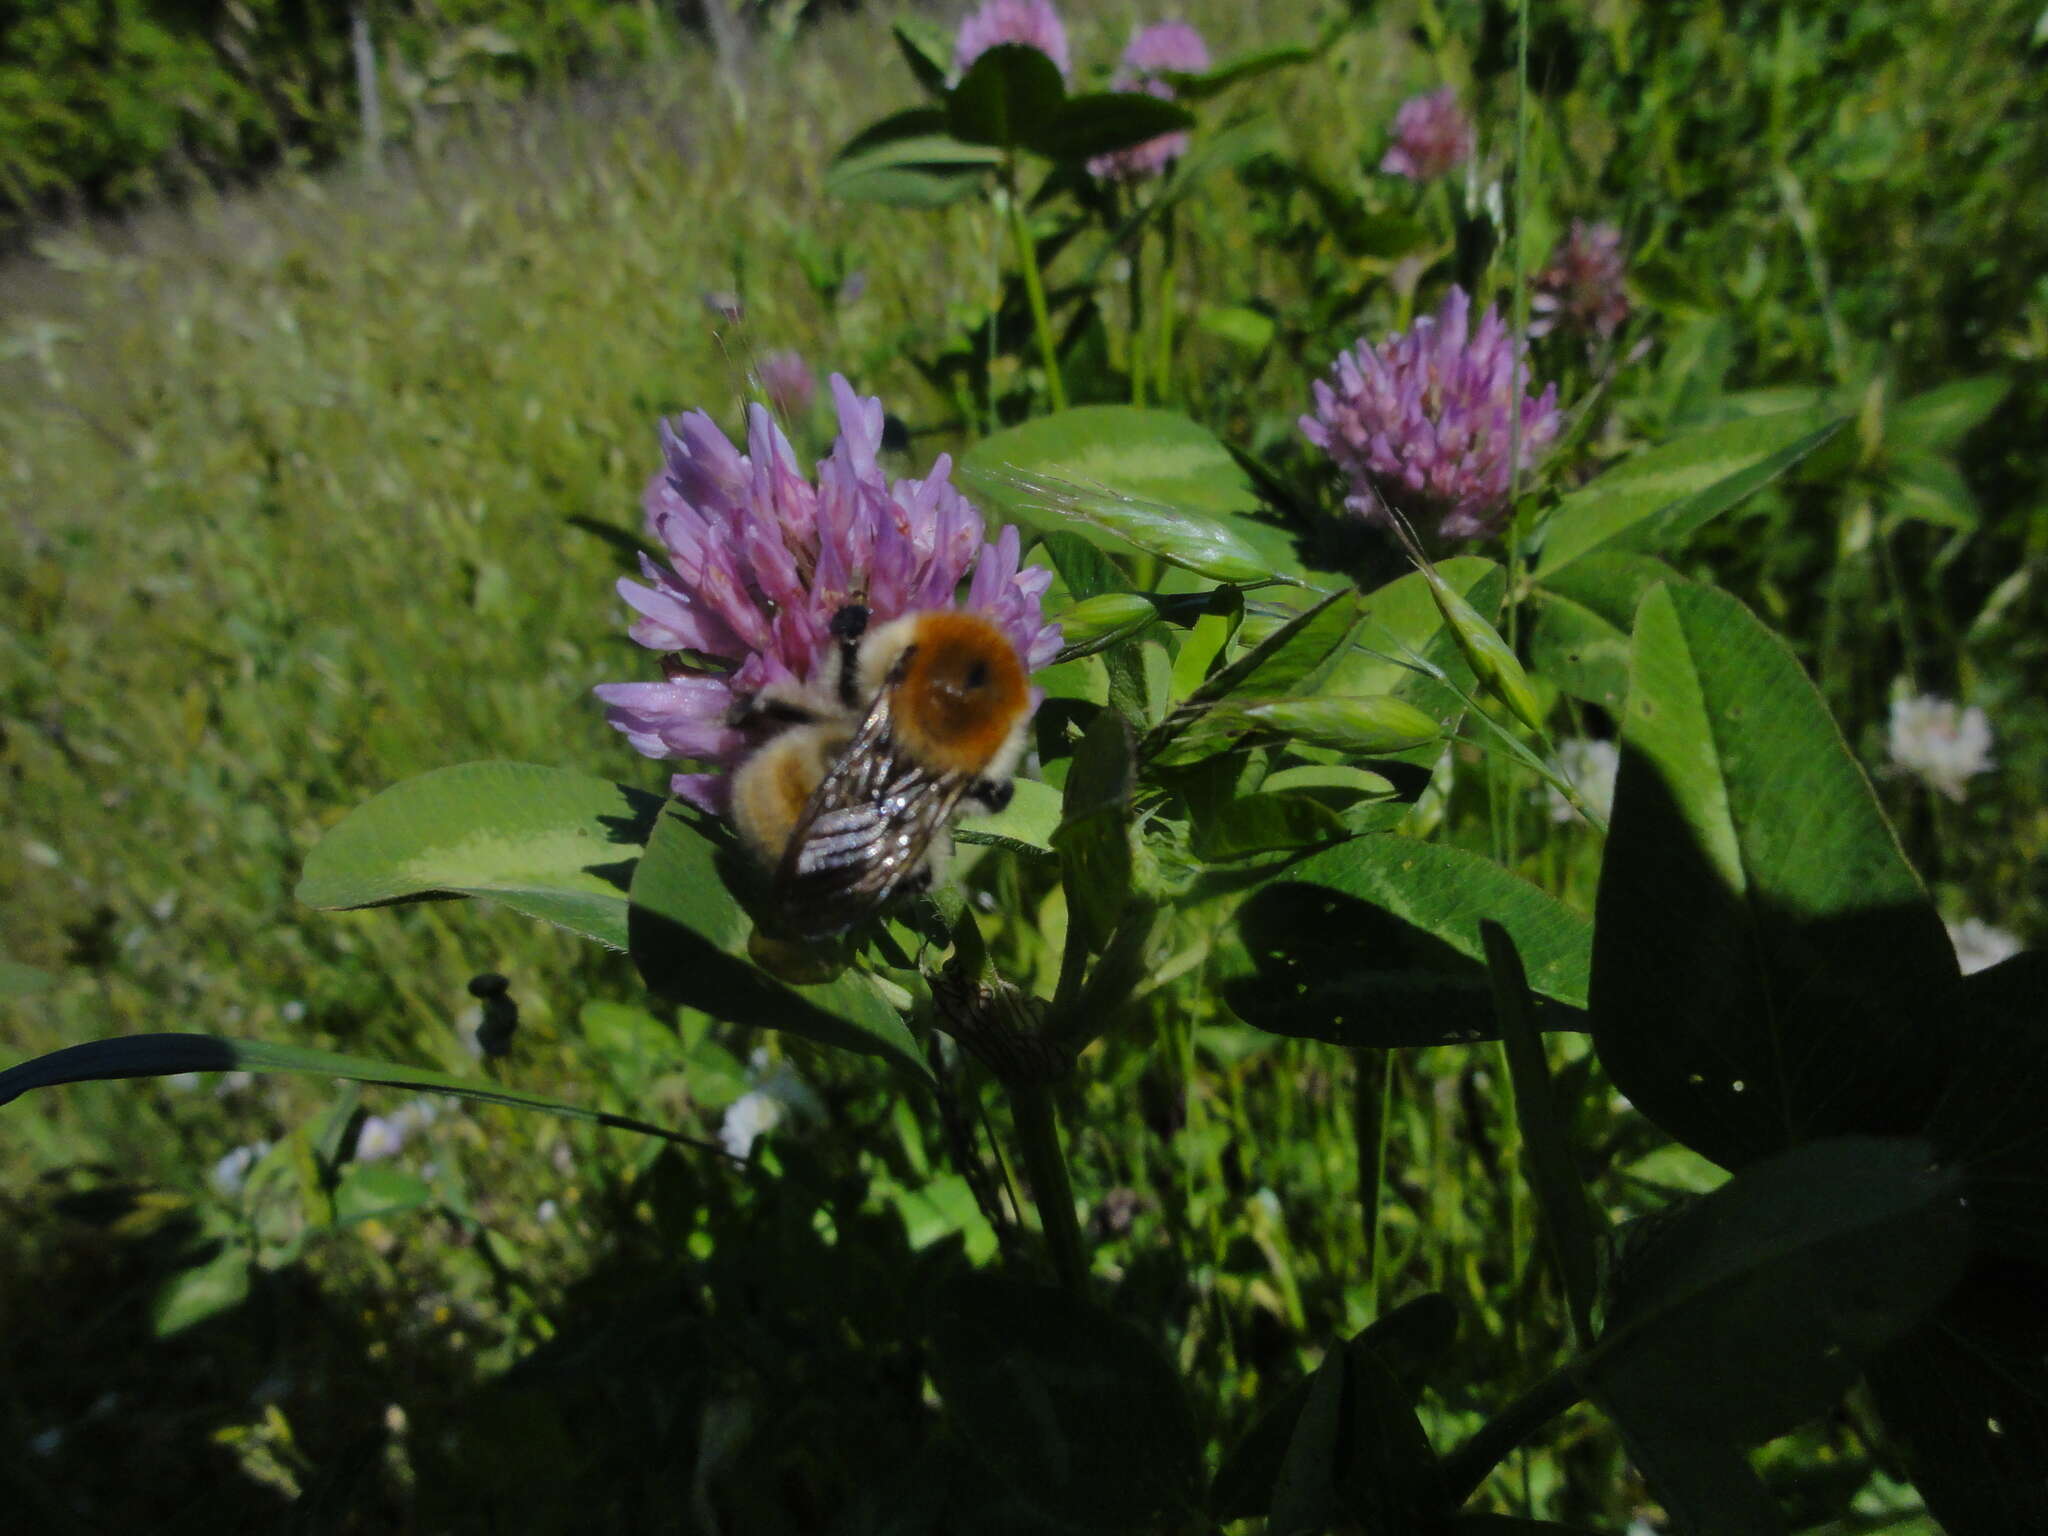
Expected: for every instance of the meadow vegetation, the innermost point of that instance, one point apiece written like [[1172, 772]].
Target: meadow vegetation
[[316, 486]]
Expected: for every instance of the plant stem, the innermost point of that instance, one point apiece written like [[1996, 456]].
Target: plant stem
[[1169, 276], [1038, 1139], [1136, 338], [1034, 290], [1466, 1468], [1371, 1104]]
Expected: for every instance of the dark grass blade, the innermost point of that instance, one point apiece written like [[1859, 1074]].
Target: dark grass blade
[[162, 1055]]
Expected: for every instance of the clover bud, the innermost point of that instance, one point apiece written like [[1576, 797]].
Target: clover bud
[[1491, 658], [1370, 726], [1096, 622]]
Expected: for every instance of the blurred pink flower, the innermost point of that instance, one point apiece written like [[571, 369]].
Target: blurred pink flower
[[787, 381], [1427, 417], [1034, 23], [1581, 290], [1432, 135], [760, 558], [1167, 47]]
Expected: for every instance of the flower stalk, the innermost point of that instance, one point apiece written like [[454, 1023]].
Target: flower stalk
[[1045, 1167], [1034, 290]]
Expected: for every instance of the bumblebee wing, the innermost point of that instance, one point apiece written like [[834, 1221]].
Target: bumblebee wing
[[866, 831]]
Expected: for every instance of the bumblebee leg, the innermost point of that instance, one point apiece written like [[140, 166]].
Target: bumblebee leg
[[848, 626], [770, 709], [992, 795]]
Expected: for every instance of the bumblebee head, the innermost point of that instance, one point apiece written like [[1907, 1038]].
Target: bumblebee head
[[960, 690]]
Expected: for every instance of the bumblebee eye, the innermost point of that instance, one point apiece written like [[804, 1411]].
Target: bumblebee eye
[[977, 674]]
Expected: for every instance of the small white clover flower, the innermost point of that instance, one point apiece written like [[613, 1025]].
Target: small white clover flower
[[778, 1096], [232, 1171], [379, 1138], [748, 1118], [1979, 946], [1590, 766], [1940, 742]]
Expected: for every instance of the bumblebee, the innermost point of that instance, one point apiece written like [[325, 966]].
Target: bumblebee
[[920, 721]]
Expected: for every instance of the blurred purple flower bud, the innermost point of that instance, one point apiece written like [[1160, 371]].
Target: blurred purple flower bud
[[1169, 47], [1033, 23], [1581, 290], [1428, 418], [787, 381], [1432, 135]]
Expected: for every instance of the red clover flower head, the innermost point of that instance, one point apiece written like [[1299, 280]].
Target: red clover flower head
[[759, 558], [1432, 135], [1033, 23], [1427, 417], [1581, 289], [1167, 47]]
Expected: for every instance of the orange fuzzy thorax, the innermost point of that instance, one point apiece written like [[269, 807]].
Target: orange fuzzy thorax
[[962, 693]]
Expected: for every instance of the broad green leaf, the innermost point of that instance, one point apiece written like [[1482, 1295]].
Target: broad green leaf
[[163, 1055], [1579, 652], [1610, 584], [1708, 1486], [908, 175], [1444, 893], [1099, 123], [1754, 1308], [218, 1283], [555, 845], [1585, 614], [1966, 1397], [1571, 1227], [1243, 825], [1370, 945], [1765, 958], [1194, 541], [378, 1191], [1025, 825], [909, 160], [1992, 1046], [690, 938], [1657, 498], [1006, 94], [927, 51], [1073, 1409], [1930, 489], [1408, 1341], [1937, 420], [1066, 469], [1358, 1456]]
